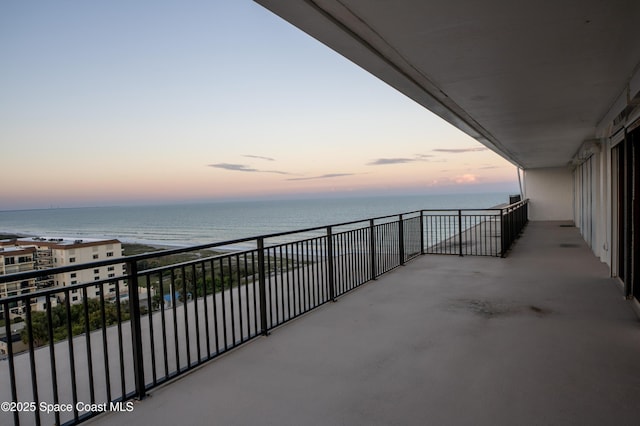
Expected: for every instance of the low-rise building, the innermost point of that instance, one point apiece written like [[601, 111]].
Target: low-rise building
[[37, 253], [14, 259]]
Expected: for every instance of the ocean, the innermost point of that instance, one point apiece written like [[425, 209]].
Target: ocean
[[182, 225]]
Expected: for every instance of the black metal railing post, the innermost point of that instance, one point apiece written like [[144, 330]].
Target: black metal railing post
[[401, 239], [262, 284], [52, 358], [421, 231], [32, 359], [136, 329], [330, 265], [12, 371], [512, 226], [513, 219], [460, 232], [372, 244], [503, 233]]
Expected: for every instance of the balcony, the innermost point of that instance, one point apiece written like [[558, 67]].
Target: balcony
[[541, 337], [540, 333]]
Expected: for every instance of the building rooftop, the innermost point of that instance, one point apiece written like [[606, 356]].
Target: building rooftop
[[541, 337], [58, 242], [14, 249]]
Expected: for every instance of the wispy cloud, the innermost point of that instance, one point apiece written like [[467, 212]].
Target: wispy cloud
[[460, 150], [464, 179], [279, 172], [259, 157], [244, 168], [234, 167], [385, 161], [325, 176], [401, 160]]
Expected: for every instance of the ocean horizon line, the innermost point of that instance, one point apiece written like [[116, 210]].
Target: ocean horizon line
[[306, 197]]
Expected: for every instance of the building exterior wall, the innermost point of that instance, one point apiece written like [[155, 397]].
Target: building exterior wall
[[14, 260], [69, 256], [44, 253], [550, 193]]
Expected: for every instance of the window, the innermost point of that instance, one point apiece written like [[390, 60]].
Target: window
[[73, 275], [95, 256], [72, 260], [9, 260], [112, 290], [97, 293], [74, 282], [74, 290], [109, 254], [96, 271], [96, 278], [112, 275], [74, 298], [111, 268], [24, 259]]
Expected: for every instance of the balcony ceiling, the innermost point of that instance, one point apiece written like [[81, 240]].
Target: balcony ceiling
[[530, 81]]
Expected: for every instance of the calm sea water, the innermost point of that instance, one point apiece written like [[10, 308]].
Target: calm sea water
[[191, 224]]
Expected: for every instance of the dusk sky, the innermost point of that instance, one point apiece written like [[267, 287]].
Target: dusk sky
[[141, 102]]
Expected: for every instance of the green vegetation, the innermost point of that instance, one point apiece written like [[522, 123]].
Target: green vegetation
[[222, 274], [59, 320], [132, 249]]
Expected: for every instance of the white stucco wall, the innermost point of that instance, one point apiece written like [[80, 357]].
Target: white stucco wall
[[550, 193]]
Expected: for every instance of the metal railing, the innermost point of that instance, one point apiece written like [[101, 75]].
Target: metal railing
[[514, 218], [97, 354]]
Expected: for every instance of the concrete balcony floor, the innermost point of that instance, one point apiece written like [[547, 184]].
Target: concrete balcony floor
[[542, 337]]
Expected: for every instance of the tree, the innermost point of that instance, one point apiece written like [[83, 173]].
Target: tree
[[39, 330]]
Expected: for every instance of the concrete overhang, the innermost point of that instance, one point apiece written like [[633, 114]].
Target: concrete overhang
[[531, 81]]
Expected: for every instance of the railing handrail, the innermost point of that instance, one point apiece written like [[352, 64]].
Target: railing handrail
[[168, 252], [515, 205]]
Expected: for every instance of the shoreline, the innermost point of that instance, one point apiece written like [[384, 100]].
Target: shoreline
[[138, 246]]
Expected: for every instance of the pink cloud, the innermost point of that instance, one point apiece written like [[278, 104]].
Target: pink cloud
[[466, 178]]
